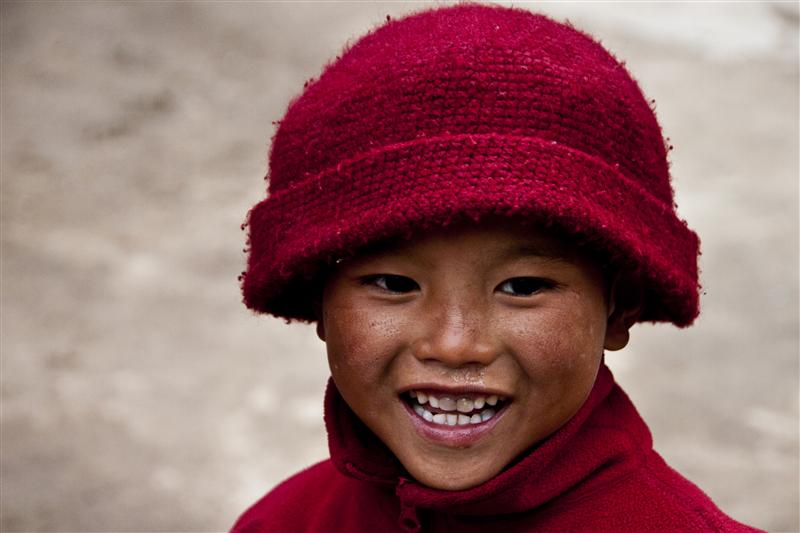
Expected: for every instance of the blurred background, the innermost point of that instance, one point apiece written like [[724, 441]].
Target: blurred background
[[138, 393]]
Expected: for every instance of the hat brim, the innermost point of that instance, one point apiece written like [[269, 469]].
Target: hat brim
[[400, 189]]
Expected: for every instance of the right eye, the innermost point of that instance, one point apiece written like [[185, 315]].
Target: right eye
[[392, 283], [524, 286]]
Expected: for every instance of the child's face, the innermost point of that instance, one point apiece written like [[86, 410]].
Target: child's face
[[464, 318]]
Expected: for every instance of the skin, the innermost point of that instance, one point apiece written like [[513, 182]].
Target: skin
[[499, 309]]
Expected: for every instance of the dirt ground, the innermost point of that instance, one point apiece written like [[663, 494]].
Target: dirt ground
[[138, 394]]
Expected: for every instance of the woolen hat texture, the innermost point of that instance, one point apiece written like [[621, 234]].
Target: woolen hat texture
[[462, 113]]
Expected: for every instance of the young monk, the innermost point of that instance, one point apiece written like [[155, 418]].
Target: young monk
[[473, 204]]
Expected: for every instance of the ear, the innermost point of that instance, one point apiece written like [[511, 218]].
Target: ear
[[317, 308], [625, 301]]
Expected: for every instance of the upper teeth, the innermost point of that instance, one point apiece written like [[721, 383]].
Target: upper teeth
[[448, 403], [456, 405]]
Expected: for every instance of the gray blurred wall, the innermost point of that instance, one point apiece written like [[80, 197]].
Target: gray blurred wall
[[138, 394]]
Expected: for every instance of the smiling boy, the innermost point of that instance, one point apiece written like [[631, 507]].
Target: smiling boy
[[506, 318], [473, 203]]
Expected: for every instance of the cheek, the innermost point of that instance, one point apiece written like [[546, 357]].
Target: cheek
[[359, 344], [562, 343]]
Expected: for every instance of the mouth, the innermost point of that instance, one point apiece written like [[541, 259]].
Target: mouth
[[456, 410]]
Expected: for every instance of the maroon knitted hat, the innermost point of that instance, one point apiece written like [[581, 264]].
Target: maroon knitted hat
[[469, 111]]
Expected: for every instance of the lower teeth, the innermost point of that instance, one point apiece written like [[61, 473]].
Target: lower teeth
[[452, 419]]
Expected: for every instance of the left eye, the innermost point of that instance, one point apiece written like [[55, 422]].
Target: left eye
[[392, 283], [523, 286]]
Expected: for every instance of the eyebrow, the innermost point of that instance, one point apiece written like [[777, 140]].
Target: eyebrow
[[380, 247], [535, 250]]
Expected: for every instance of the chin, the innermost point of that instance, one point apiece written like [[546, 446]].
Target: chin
[[455, 485], [445, 477]]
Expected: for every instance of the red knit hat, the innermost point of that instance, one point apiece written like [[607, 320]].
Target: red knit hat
[[469, 111]]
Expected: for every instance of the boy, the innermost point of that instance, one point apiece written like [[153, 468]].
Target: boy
[[473, 203]]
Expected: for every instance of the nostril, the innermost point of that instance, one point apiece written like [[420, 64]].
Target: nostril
[[457, 351], [422, 349]]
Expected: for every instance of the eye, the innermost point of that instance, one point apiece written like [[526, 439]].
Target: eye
[[524, 286], [392, 283]]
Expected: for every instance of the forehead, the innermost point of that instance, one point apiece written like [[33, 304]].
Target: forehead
[[493, 239]]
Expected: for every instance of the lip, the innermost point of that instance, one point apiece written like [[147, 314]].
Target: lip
[[452, 436], [453, 391]]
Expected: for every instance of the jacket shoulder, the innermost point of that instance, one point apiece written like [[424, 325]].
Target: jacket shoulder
[[650, 497], [686, 499], [287, 507]]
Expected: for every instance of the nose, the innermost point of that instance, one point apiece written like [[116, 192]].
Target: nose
[[458, 334]]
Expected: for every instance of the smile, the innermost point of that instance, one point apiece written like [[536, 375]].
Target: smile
[[454, 410]]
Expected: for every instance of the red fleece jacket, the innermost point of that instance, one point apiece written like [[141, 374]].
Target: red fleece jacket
[[597, 473]]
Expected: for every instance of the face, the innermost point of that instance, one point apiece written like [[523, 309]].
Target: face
[[463, 348]]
